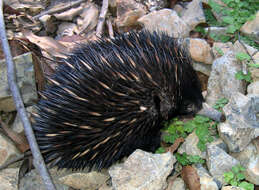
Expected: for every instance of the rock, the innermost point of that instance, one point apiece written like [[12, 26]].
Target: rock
[[238, 47], [128, 12], [203, 68], [153, 5], [84, 181], [222, 82], [251, 28], [9, 179], [17, 125], [190, 146], [207, 182], [66, 29], [200, 50], [219, 47], [32, 180], [7, 150], [253, 88], [142, 170], [49, 22], [25, 81], [178, 184], [219, 162], [89, 15], [231, 188], [242, 122], [165, 20], [193, 14], [249, 158]]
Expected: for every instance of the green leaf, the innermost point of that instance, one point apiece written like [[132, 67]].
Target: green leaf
[[240, 176], [246, 186], [228, 19], [219, 51], [243, 56], [255, 65], [160, 150], [228, 176], [231, 29], [235, 169]]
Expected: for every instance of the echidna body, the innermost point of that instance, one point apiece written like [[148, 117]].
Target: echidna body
[[110, 98]]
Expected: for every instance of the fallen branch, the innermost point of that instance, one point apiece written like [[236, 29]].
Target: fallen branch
[[110, 29], [104, 9], [38, 160], [58, 9]]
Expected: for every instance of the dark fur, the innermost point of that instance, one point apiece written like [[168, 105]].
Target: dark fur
[[110, 98]]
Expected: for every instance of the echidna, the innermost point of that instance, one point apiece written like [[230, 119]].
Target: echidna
[[111, 97]]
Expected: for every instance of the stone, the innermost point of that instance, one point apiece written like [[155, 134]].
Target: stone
[[142, 170], [222, 82], [165, 20], [25, 81], [251, 28]]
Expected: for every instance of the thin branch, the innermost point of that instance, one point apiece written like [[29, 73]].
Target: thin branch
[[110, 29], [38, 160], [245, 48], [101, 19], [58, 9]]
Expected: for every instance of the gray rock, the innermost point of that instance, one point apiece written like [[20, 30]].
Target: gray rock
[[165, 20], [193, 14], [249, 158], [222, 82], [203, 68], [253, 88], [25, 81], [190, 146], [85, 181], [9, 179], [7, 150], [178, 184], [231, 188], [207, 182], [142, 170], [219, 162], [242, 122], [251, 28], [224, 47]]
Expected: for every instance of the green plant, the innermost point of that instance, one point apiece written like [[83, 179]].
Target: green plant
[[235, 12], [241, 76], [185, 159], [243, 56], [220, 104], [160, 150], [220, 52], [200, 124], [235, 177]]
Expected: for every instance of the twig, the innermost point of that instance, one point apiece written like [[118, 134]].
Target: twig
[[110, 29], [101, 19], [58, 9], [12, 161], [38, 160]]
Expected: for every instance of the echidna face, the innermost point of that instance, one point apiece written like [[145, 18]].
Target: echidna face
[[110, 97]]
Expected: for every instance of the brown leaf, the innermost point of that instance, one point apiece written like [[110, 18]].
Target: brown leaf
[[19, 140], [191, 178], [47, 44], [175, 146]]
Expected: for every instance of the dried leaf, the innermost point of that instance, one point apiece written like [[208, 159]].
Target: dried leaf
[[47, 44], [191, 178]]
